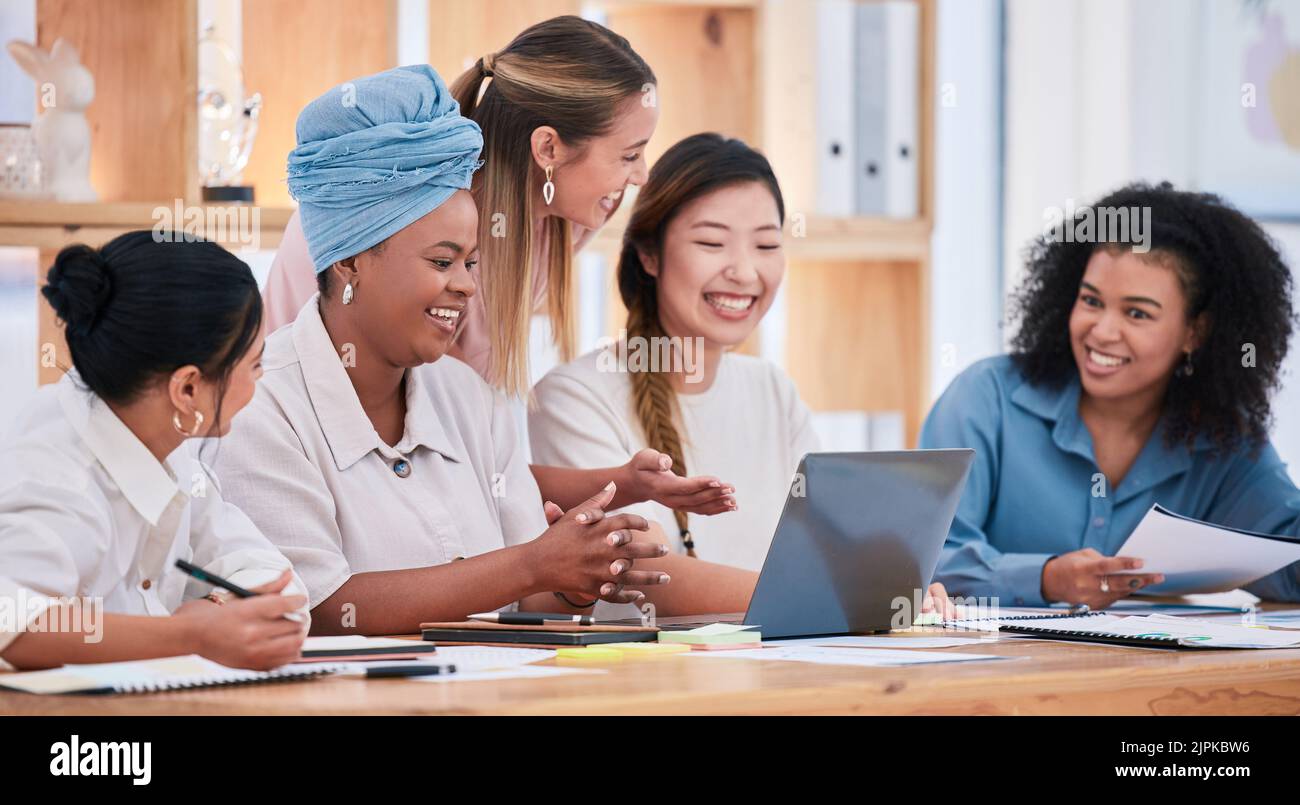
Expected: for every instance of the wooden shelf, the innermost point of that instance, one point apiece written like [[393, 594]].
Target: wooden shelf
[[826, 239], [50, 225], [858, 288]]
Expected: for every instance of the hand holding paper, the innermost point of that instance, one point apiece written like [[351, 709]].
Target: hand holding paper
[[1198, 557]]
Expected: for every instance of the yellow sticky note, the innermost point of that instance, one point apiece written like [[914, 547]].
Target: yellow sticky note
[[587, 654], [648, 651]]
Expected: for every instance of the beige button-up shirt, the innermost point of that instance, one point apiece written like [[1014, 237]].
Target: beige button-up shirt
[[86, 511], [306, 464]]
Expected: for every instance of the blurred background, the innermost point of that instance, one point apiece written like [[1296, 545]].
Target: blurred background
[[919, 144]]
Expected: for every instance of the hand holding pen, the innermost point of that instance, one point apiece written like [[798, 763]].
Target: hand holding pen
[[261, 629], [269, 588]]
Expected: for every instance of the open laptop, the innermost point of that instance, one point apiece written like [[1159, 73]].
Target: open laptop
[[858, 531]]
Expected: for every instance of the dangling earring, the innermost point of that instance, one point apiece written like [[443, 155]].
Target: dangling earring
[[548, 189], [347, 294], [1186, 369], [198, 423]]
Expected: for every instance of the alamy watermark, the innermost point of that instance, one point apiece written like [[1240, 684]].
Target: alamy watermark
[[234, 225], [42, 613], [660, 353], [1130, 226], [77, 758]]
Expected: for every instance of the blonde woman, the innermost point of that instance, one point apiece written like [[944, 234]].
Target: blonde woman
[[565, 115], [389, 473]]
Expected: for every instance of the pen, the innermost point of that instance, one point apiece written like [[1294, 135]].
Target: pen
[[405, 669], [216, 581], [532, 618]]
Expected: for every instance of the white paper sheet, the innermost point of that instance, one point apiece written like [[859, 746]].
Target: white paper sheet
[[497, 674], [1137, 606], [838, 655], [881, 641], [1284, 618], [1197, 557], [482, 658]]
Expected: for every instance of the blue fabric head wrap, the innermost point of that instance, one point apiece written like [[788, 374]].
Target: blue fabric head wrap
[[376, 154]]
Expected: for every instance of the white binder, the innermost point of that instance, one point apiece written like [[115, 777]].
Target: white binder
[[836, 146]]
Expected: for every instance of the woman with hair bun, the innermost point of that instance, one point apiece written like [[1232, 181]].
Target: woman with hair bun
[[100, 492]]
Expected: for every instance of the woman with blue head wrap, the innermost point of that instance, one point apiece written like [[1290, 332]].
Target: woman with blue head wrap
[[375, 155], [389, 475], [566, 110]]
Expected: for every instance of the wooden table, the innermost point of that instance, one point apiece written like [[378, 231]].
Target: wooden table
[[1042, 678]]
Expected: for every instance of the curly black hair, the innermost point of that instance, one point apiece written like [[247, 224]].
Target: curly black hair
[[1229, 269]]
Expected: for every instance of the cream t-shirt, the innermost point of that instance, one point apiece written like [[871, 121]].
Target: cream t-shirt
[[749, 429]]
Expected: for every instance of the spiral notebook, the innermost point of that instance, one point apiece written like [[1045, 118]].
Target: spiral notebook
[[151, 676], [1154, 631], [992, 619]]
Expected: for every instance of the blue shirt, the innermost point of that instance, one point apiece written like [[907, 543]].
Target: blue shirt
[[1035, 490]]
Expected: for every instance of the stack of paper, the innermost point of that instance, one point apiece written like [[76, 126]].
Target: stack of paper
[[715, 636]]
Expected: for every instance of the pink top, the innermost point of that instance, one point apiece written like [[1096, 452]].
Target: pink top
[[293, 280]]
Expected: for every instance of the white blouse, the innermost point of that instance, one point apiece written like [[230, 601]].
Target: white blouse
[[306, 464], [87, 511], [749, 429]]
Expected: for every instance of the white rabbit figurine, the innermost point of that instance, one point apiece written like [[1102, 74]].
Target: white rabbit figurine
[[61, 133]]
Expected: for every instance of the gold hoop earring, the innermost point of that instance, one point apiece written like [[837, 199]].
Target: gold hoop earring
[[198, 423], [548, 189], [348, 293]]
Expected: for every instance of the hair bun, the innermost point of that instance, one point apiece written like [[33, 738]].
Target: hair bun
[[78, 287]]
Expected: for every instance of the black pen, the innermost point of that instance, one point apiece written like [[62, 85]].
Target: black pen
[[533, 618], [216, 581], [405, 669]]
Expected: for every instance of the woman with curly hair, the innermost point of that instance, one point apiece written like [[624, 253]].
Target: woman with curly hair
[[1135, 377]]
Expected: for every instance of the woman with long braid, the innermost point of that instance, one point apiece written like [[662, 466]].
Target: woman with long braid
[[701, 263]]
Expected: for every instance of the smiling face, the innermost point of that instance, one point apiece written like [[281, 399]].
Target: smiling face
[[721, 265], [189, 392], [1129, 327], [240, 387], [411, 291], [590, 179]]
